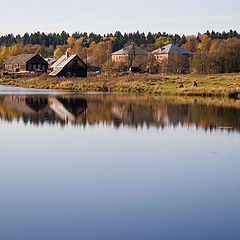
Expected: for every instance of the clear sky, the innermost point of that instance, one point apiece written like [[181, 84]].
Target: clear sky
[[173, 16]]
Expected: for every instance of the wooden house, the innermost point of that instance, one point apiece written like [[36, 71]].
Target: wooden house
[[131, 51], [164, 53], [69, 66], [26, 63]]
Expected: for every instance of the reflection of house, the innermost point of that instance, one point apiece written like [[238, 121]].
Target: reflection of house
[[26, 63], [127, 52], [164, 53], [67, 109], [69, 65], [26, 104]]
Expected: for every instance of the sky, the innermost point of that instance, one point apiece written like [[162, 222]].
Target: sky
[[107, 16]]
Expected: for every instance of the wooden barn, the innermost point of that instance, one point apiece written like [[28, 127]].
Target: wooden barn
[[26, 63], [69, 66]]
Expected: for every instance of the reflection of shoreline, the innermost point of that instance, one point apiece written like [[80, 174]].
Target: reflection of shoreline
[[120, 110]]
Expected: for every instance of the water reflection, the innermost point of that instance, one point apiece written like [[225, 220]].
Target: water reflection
[[122, 110]]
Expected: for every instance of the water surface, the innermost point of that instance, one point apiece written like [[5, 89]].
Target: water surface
[[102, 166]]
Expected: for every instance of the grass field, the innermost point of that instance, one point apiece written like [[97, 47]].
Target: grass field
[[208, 85]]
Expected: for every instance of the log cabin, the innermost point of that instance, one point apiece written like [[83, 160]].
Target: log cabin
[[26, 63], [69, 66]]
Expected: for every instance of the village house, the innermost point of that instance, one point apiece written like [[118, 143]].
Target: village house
[[50, 60], [164, 53], [69, 65], [26, 63], [127, 52]]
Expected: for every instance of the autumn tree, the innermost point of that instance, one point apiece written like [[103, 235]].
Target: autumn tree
[[99, 53], [205, 43], [58, 53], [191, 43], [15, 50], [162, 41], [71, 42]]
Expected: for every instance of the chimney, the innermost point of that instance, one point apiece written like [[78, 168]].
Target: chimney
[[67, 54]]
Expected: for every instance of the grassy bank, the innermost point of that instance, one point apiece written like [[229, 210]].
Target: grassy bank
[[208, 85]]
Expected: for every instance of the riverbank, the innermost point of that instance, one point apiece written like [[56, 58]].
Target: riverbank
[[208, 85]]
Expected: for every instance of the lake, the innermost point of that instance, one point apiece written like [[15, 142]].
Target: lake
[[118, 166]]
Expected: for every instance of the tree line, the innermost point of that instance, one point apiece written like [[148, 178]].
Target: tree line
[[120, 39], [214, 52], [55, 39]]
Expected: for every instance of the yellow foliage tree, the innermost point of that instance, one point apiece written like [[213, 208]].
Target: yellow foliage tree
[[99, 53], [79, 49], [71, 42], [69, 50], [191, 43], [231, 40], [205, 43], [58, 53], [15, 50], [4, 53], [216, 44], [161, 41]]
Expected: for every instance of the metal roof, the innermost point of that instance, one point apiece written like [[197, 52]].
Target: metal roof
[[61, 62], [20, 58], [171, 49], [64, 60], [55, 72], [130, 50]]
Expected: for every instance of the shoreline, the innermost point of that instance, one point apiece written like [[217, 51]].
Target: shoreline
[[215, 85]]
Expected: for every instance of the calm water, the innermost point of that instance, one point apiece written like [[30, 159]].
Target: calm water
[[100, 166]]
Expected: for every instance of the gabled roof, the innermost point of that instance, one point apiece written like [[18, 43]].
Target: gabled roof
[[55, 72], [64, 60], [171, 49], [130, 50], [20, 58]]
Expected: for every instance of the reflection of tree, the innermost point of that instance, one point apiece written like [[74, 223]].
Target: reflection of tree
[[121, 110]]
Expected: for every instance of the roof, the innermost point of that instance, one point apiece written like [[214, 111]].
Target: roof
[[55, 72], [64, 60], [20, 58], [130, 50], [171, 49], [50, 60]]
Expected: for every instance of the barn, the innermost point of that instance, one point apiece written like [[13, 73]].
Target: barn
[[26, 63], [69, 66]]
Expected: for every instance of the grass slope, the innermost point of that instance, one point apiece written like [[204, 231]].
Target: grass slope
[[208, 85]]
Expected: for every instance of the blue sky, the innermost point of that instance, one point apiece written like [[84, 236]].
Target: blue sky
[[173, 16]]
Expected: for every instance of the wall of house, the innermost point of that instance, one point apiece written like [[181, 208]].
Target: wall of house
[[15, 67], [119, 58], [161, 57], [75, 68], [37, 63]]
